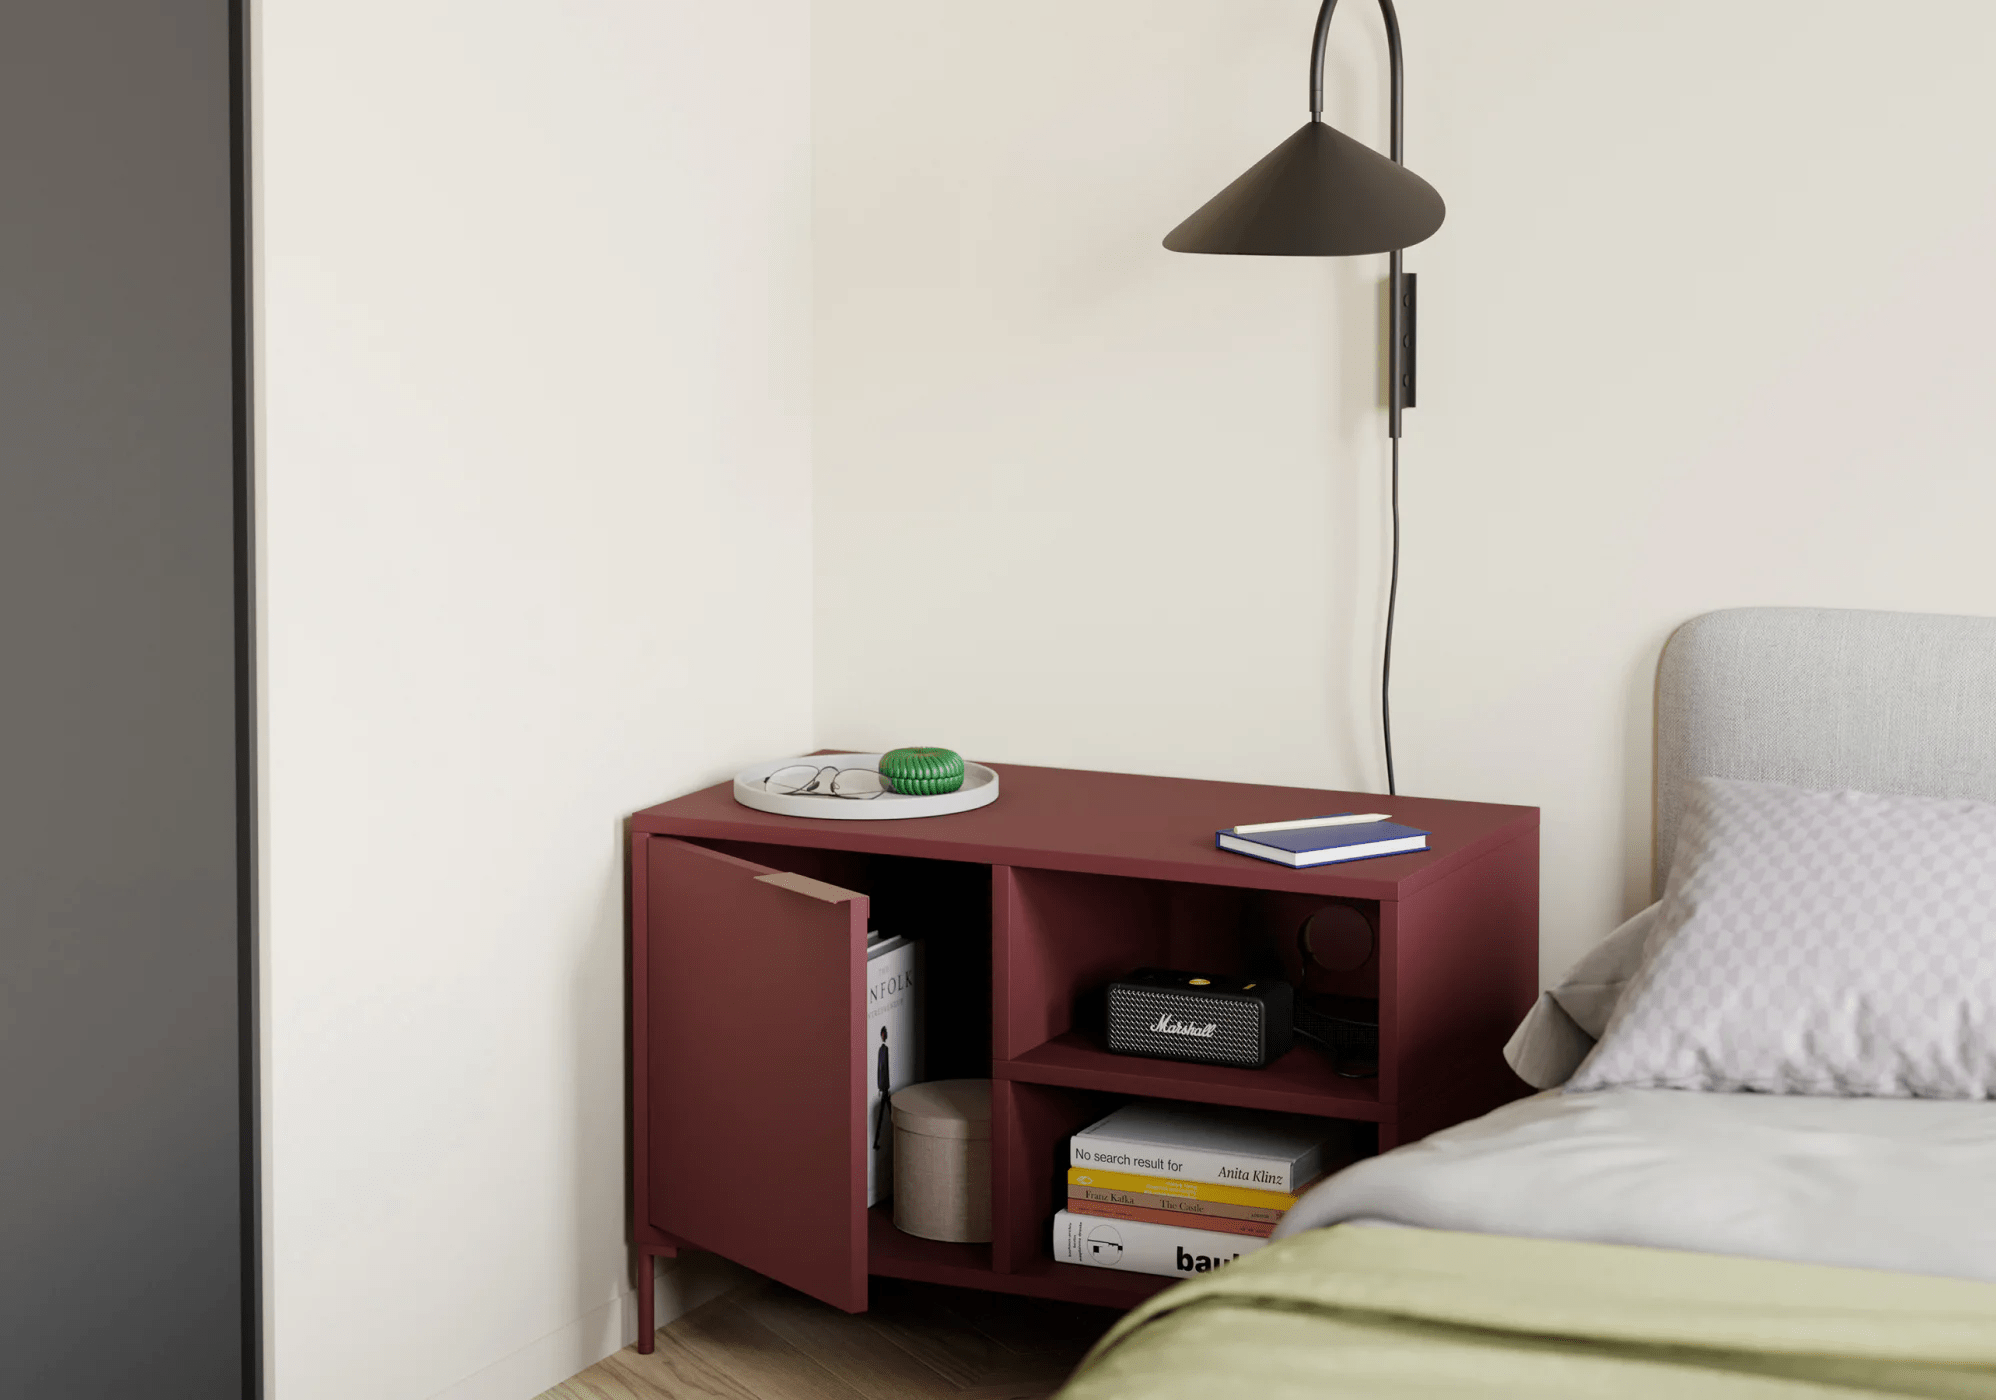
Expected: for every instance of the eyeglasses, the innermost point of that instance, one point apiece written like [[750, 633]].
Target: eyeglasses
[[809, 780]]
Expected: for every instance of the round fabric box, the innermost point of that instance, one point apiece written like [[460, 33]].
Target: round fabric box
[[942, 1160]]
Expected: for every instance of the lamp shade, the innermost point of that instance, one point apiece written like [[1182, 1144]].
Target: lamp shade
[[1318, 194]]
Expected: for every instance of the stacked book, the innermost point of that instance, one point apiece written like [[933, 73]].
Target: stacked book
[[1168, 1188], [893, 1047]]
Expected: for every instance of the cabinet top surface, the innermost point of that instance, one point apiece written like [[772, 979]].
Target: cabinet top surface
[[1125, 824]]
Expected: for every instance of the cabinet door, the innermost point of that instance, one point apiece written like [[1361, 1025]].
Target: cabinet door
[[755, 1093]]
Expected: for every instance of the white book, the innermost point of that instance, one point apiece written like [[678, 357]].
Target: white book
[[893, 1049], [1139, 1247], [1204, 1142]]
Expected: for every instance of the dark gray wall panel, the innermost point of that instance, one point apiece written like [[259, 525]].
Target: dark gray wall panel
[[122, 1214]]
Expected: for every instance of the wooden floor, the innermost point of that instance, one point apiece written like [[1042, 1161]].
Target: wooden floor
[[917, 1341]]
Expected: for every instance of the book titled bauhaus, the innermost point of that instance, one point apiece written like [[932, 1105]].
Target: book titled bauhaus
[[1204, 1142], [1143, 1248]]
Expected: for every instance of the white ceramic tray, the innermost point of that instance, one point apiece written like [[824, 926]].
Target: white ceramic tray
[[980, 789]]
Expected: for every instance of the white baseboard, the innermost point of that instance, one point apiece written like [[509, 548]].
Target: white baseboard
[[679, 1286]]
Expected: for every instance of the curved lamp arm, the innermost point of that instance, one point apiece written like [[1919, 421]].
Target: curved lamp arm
[[1400, 288], [1322, 46]]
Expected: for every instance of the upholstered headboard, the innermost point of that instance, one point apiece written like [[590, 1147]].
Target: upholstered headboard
[[1822, 698]]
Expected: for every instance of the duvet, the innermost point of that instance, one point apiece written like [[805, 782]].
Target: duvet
[[1628, 1242], [1403, 1313]]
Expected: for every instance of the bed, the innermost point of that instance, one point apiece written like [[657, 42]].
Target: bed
[[1648, 1240]]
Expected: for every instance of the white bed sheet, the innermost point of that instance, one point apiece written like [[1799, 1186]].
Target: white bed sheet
[[1904, 1184]]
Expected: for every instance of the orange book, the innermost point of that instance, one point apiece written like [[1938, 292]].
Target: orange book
[[1149, 1198], [1220, 1224]]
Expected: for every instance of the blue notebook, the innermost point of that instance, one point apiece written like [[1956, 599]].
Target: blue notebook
[[1325, 845]]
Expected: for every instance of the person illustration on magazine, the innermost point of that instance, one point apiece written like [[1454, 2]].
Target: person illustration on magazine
[[882, 1075]]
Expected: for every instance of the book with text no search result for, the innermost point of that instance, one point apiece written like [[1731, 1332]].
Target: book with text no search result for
[[1209, 1143]]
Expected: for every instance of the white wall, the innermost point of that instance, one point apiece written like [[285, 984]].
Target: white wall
[[535, 372], [1707, 326], [1704, 329]]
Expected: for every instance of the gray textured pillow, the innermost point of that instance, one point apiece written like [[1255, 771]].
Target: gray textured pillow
[[1557, 1033], [1834, 943]]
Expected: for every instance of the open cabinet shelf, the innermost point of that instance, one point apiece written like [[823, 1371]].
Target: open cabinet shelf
[[1302, 1081], [892, 1253], [749, 1059]]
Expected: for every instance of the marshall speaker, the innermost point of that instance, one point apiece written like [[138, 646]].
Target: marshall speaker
[[1245, 1022]]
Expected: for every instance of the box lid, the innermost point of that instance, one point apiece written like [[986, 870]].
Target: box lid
[[953, 1108]]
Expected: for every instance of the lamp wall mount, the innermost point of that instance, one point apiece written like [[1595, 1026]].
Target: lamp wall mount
[[1402, 325]]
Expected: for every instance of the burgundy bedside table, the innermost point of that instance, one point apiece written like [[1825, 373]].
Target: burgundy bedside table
[[748, 1002]]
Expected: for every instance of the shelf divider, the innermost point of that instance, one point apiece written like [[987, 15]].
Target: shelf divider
[[1300, 1082]]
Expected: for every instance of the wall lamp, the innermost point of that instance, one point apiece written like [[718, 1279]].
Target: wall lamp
[[1321, 194]]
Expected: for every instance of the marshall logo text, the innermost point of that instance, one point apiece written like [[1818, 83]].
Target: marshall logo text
[[1171, 1027]]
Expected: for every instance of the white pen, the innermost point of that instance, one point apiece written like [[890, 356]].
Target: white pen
[[1349, 819]]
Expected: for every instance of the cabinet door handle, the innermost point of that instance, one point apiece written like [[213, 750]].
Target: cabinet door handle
[[805, 885]]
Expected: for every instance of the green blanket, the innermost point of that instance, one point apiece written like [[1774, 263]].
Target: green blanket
[[1383, 1312]]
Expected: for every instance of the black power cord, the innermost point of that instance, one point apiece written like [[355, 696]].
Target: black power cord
[[1386, 660]]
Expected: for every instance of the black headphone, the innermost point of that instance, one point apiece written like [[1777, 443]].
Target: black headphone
[[1335, 937]]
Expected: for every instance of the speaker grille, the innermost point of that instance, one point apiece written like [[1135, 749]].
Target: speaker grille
[[1239, 1036]]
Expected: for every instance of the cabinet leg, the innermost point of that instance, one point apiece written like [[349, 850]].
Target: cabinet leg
[[647, 1293]]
